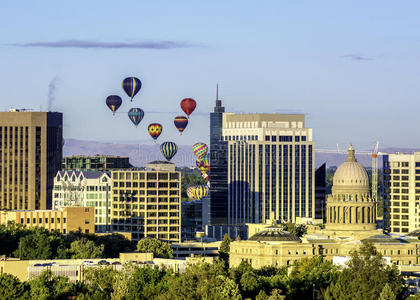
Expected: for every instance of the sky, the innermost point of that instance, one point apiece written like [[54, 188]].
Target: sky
[[352, 67]]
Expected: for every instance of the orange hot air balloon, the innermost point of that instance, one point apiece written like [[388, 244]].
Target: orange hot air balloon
[[188, 105], [155, 129]]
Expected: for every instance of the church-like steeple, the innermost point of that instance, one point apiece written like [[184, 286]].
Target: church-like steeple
[[218, 108]]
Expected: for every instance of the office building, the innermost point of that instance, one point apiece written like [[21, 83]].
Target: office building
[[147, 203], [85, 188], [65, 220], [103, 163], [401, 178], [30, 156], [218, 168], [320, 192], [270, 168]]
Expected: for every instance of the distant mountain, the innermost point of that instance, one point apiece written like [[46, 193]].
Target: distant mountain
[[140, 154]]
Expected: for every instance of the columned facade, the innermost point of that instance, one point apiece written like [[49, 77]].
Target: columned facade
[[350, 206]]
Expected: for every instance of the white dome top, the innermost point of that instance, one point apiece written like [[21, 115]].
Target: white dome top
[[351, 174]]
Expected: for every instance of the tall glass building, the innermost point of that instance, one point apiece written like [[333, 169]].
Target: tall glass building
[[268, 162], [218, 168]]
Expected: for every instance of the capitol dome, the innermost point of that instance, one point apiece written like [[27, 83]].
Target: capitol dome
[[350, 176]]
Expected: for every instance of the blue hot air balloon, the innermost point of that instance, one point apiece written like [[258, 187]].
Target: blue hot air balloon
[[168, 150], [131, 85], [136, 115], [113, 102]]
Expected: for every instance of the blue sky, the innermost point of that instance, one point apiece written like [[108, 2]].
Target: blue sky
[[352, 67]]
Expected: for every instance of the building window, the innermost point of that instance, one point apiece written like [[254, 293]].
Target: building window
[[86, 221], [86, 209]]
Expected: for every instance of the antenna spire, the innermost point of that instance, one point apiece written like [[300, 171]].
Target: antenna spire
[[217, 91]]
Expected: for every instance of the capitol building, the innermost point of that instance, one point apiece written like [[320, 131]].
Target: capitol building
[[350, 220]]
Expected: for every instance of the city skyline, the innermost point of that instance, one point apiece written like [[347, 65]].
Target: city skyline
[[362, 62]]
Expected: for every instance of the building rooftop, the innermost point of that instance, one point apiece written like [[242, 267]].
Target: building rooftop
[[274, 233]]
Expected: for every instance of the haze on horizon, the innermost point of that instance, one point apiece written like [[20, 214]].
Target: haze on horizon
[[352, 68]]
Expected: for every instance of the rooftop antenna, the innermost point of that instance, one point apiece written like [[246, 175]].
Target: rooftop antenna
[[217, 91]]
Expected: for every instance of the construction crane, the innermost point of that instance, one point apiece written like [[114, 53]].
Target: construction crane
[[373, 154]]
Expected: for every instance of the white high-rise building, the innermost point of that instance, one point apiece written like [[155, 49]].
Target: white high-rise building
[[85, 188], [270, 168], [401, 192]]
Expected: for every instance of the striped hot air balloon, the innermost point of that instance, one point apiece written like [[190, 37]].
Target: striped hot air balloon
[[131, 86], [155, 129], [201, 191], [136, 115], [168, 150], [200, 149], [181, 123]]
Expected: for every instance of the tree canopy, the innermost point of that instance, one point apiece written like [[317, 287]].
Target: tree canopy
[[157, 247]]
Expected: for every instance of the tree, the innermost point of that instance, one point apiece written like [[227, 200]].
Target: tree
[[387, 293], [40, 243], [158, 248], [10, 235], [114, 244], [310, 273], [225, 249], [365, 276], [12, 288], [296, 229], [200, 281], [136, 282], [86, 249], [48, 286], [100, 282]]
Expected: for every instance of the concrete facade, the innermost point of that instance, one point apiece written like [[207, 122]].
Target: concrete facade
[[64, 220], [401, 177], [30, 156], [147, 203]]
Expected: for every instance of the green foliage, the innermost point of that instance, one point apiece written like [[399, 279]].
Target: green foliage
[[225, 249], [114, 244], [387, 293], [202, 281], [365, 277], [158, 248], [296, 229], [49, 286], [41, 244], [100, 282], [86, 249], [141, 283], [310, 273], [10, 236], [12, 288]]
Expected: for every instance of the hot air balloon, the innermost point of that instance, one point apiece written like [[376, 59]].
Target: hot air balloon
[[188, 105], [201, 191], [131, 85], [155, 129], [113, 102], [136, 115], [180, 123], [203, 164], [168, 150], [200, 149], [190, 192]]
